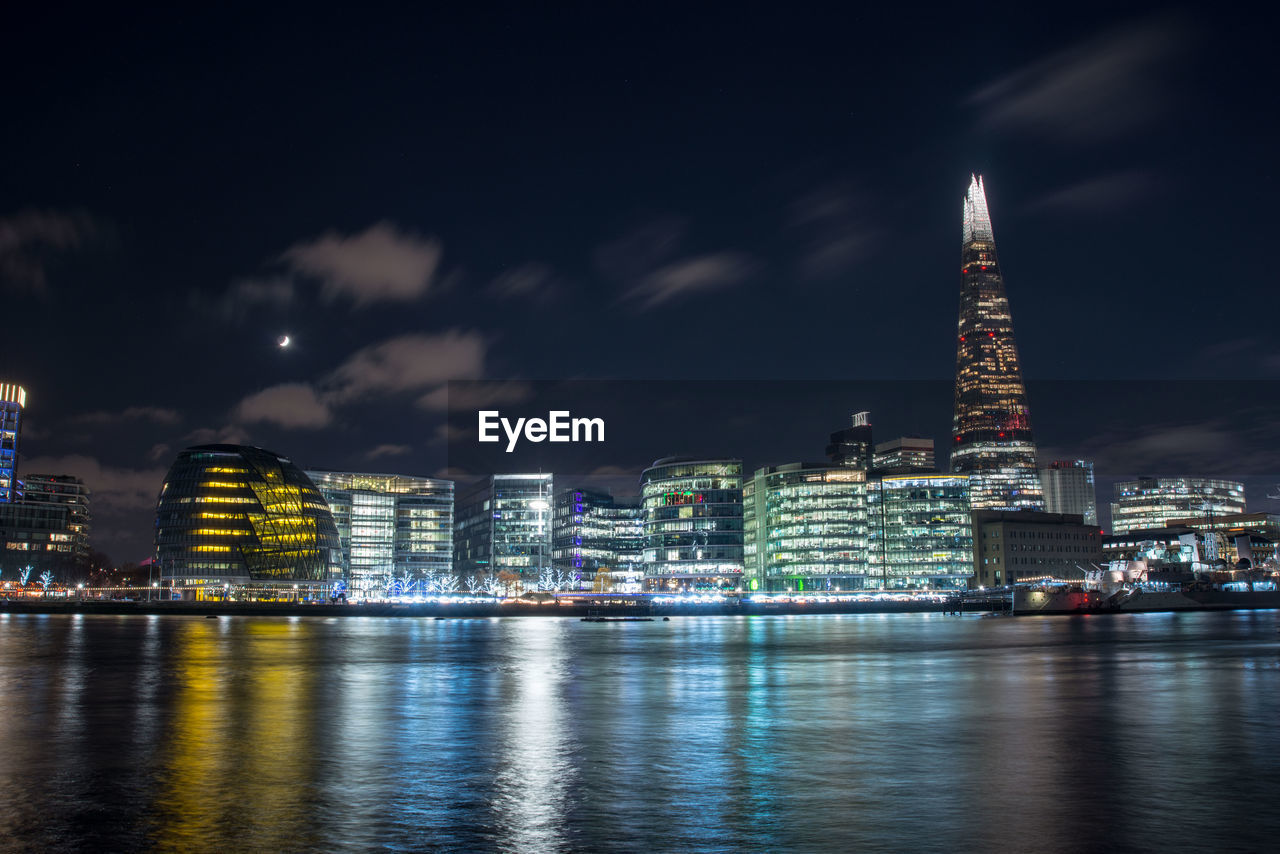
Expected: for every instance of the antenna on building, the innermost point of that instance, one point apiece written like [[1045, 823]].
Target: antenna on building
[[861, 419]]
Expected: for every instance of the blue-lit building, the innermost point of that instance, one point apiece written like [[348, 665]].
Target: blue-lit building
[[597, 541], [13, 399]]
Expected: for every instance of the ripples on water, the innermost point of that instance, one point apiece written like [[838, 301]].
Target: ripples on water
[[906, 732]]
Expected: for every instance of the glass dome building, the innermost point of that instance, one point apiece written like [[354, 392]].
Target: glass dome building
[[236, 517]]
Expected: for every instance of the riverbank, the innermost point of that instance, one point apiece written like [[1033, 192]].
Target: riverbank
[[507, 608]]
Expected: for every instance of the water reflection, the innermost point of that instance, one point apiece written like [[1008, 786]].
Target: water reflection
[[533, 738], [896, 732]]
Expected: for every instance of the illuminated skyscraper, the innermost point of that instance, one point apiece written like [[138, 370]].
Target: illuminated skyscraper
[[991, 436]]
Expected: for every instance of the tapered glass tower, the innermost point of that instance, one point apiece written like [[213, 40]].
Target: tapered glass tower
[[991, 436]]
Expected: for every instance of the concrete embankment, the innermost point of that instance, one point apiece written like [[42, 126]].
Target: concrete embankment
[[482, 610]]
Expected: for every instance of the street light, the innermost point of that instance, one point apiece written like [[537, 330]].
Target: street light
[[154, 586]]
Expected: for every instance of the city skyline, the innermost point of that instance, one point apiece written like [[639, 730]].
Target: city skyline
[[571, 427], [444, 239]]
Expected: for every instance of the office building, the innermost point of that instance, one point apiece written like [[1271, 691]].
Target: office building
[[1154, 502], [13, 399], [39, 537], [991, 435], [919, 532], [1028, 545], [692, 524], [904, 455], [69, 492], [237, 520], [805, 528], [852, 446], [597, 541], [396, 531], [502, 531], [1069, 488]]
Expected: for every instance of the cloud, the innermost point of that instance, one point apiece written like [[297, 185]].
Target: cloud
[[27, 238], [473, 395], [647, 264], [232, 434], [116, 488], [833, 224], [691, 275], [1098, 195], [830, 255], [408, 363], [1099, 88], [122, 500], [446, 433], [379, 264], [159, 451], [405, 364], [388, 451], [154, 414], [289, 405], [1244, 443], [278, 291], [637, 253], [532, 281]]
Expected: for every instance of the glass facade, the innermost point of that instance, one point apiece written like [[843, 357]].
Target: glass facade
[[921, 533], [69, 492], [502, 530], [394, 529], [231, 515], [805, 528], [904, 455], [597, 541], [1069, 488], [992, 425], [692, 524], [1154, 502], [37, 537], [13, 399]]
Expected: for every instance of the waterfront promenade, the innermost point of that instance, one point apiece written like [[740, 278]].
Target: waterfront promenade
[[561, 606]]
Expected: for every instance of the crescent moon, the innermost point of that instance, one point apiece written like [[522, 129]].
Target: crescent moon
[[284, 341]]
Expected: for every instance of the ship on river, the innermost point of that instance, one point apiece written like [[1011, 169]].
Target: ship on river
[[1140, 585]]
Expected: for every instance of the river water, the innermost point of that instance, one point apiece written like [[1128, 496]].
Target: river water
[[903, 732]]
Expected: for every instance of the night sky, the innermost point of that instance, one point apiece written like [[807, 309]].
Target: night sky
[[600, 191]]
